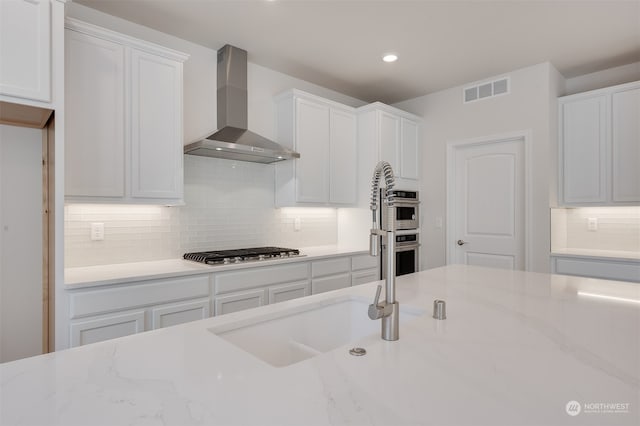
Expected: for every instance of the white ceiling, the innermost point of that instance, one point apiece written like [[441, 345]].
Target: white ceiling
[[441, 44]]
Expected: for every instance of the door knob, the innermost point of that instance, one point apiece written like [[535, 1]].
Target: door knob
[[461, 243]]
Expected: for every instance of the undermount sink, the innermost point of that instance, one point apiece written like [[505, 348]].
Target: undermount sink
[[300, 333]]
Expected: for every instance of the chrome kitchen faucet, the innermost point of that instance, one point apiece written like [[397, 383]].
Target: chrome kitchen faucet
[[389, 310]]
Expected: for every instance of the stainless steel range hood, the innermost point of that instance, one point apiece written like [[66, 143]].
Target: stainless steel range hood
[[233, 140]]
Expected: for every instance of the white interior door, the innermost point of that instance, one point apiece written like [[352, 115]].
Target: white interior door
[[488, 197]]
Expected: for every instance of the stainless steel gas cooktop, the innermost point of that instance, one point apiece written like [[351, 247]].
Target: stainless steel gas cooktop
[[227, 257]]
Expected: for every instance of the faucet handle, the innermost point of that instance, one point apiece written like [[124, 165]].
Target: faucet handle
[[375, 310]]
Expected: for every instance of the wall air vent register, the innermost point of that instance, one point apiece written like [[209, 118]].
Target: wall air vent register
[[486, 90]]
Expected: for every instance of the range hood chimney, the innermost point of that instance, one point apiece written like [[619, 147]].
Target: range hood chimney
[[233, 140]]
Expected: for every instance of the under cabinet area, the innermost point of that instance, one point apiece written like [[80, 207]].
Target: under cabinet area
[[103, 313], [123, 100], [599, 145], [323, 132]]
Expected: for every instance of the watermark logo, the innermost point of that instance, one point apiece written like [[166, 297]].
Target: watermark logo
[[573, 408]]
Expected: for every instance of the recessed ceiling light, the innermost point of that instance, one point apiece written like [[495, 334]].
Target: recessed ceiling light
[[218, 149], [390, 57]]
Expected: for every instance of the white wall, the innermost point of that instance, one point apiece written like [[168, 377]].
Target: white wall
[[528, 107], [605, 78], [20, 242]]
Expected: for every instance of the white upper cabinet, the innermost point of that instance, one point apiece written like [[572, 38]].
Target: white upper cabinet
[[156, 132], [94, 100], [25, 49], [123, 118], [625, 145], [324, 134], [389, 134], [584, 150], [600, 147]]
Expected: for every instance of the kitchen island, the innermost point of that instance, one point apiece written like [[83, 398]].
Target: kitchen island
[[516, 348]]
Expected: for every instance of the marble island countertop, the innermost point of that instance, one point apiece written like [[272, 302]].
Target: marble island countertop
[[515, 349]]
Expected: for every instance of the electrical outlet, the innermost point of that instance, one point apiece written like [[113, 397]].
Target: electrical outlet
[[97, 231], [297, 224], [592, 224], [438, 222]]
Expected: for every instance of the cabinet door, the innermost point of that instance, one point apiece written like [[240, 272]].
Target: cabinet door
[[342, 157], [626, 146], [409, 154], [105, 328], [312, 142], [389, 134], [583, 151], [156, 126], [25, 49], [179, 313], [333, 282], [290, 291], [94, 103], [239, 301], [366, 276]]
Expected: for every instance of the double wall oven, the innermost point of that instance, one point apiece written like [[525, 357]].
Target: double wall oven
[[407, 205]]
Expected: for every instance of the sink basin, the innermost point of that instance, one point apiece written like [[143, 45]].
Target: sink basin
[[300, 333]]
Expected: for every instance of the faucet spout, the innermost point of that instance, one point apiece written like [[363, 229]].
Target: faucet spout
[[389, 310]]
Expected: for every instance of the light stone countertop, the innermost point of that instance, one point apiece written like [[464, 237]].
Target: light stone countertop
[[515, 349], [91, 276], [598, 254]]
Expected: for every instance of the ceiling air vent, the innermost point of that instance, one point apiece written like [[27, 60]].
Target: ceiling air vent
[[486, 90]]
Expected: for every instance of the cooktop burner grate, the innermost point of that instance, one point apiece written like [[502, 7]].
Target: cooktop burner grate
[[241, 255]]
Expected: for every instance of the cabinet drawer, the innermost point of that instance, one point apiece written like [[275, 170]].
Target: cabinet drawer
[[106, 327], [179, 313], [321, 268], [92, 302], [335, 282], [366, 276], [597, 268], [364, 261], [239, 301], [291, 291], [256, 277]]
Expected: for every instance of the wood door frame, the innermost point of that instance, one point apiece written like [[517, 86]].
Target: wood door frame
[[452, 147]]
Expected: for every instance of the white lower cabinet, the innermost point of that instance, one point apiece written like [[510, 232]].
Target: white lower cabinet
[[330, 274], [179, 313], [608, 269], [281, 293], [365, 269], [239, 301], [106, 327], [333, 282], [363, 277], [101, 313]]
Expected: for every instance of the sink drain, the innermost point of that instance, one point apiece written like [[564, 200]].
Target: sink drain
[[357, 351]]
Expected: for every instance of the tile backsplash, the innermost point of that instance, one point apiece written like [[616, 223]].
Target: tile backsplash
[[618, 228], [228, 205]]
